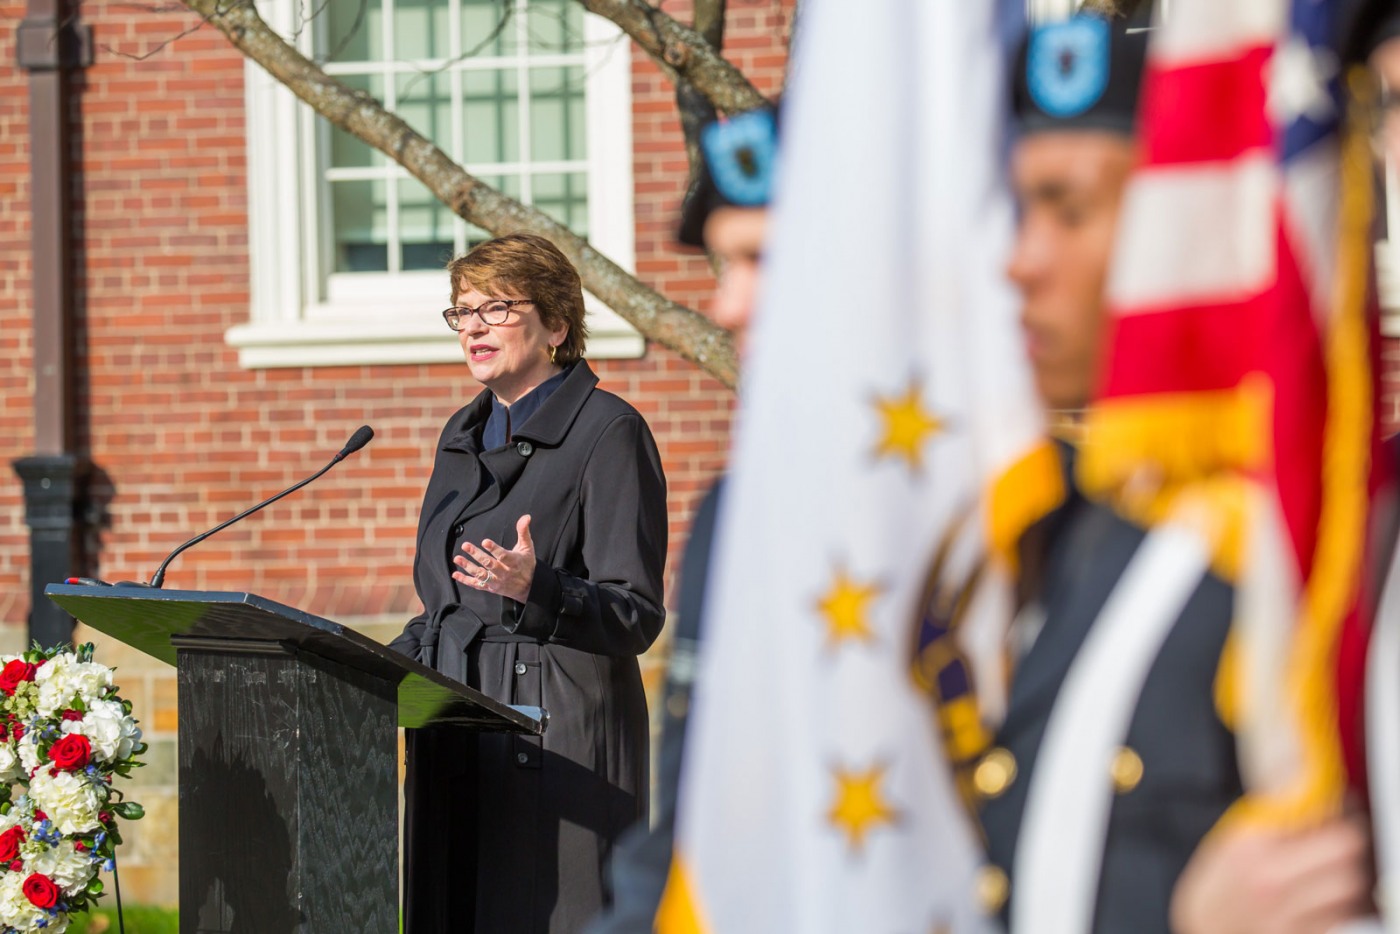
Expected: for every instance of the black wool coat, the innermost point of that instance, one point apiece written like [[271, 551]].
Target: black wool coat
[[512, 833]]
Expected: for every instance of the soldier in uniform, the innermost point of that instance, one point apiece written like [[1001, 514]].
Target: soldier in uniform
[[726, 212], [1163, 868]]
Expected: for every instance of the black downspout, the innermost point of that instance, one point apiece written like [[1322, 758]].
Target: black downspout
[[50, 46]]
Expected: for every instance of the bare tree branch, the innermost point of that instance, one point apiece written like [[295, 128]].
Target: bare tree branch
[[357, 113], [153, 8], [694, 107], [1119, 9], [709, 22], [682, 53]]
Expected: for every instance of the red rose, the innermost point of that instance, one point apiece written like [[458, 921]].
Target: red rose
[[17, 865], [40, 890], [40, 815], [72, 715], [17, 731], [9, 843], [14, 673], [71, 753]]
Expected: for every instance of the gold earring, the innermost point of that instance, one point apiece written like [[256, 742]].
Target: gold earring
[[552, 351]]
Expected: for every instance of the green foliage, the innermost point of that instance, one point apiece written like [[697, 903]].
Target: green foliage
[[129, 810], [140, 919]]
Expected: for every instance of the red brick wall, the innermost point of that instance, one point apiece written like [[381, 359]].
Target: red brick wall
[[181, 435], [688, 411], [16, 376]]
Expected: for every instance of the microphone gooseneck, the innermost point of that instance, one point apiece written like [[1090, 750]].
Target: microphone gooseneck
[[358, 440]]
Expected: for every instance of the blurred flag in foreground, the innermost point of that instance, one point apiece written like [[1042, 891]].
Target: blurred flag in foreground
[[886, 386], [1241, 362]]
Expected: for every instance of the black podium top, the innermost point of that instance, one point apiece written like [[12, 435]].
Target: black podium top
[[160, 622]]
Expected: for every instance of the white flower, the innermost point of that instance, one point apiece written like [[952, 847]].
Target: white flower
[[68, 867], [64, 678], [29, 753], [15, 910], [70, 801], [112, 733], [10, 768], [18, 913]]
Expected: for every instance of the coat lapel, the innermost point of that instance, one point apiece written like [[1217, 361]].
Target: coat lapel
[[546, 428]]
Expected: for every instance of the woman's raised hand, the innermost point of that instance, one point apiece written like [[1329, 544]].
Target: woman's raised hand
[[494, 569]]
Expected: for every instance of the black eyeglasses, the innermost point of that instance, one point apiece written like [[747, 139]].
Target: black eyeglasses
[[492, 312]]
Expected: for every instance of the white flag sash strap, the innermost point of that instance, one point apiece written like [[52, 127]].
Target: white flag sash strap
[[1383, 744], [1060, 848]]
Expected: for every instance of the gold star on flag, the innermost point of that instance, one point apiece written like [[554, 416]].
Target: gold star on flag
[[860, 804], [845, 609], [907, 425]]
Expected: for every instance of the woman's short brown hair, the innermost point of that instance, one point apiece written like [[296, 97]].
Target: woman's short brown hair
[[529, 267]]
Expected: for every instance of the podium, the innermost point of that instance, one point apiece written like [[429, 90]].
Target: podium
[[288, 754]]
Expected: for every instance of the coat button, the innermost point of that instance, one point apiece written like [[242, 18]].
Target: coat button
[[520, 668], [458, 529], [1126, 770], [992, 888], [522, 758], [524, 449], [995, 773]]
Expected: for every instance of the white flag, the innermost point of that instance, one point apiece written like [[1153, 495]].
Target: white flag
[[886, 386]]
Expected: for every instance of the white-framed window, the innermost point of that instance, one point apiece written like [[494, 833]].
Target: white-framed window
[[347, 249]]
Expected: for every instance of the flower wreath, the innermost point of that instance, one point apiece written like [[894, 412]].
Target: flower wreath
[[64, 732]]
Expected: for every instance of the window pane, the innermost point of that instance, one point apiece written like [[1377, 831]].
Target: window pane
[[556, 113], [555, 26], [420, 29], [491, 113], [488, 27], [359, 212], [347, 152], [355, 31], [425, 227], [565, 198], [425, 102]]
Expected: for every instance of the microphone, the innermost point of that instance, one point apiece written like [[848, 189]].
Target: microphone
[[358, 440]]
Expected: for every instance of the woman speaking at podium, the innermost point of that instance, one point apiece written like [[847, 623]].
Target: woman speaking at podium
[[539, 563]]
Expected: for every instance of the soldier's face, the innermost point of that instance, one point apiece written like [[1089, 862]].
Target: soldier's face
[[1068, 186], [734, 236]]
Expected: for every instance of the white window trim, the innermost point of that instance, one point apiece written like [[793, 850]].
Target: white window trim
[[288, 324]]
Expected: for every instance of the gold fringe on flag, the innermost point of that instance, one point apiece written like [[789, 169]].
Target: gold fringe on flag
[[1021, 495], [1331, 590]]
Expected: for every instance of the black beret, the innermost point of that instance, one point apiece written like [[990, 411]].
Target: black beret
[[738, 157], [1084, 73]]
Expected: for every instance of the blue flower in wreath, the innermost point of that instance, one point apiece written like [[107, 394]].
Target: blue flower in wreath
[[741, 153], [1067, 65]]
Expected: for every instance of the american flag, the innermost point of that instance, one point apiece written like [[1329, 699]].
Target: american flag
[[1240, 364]]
